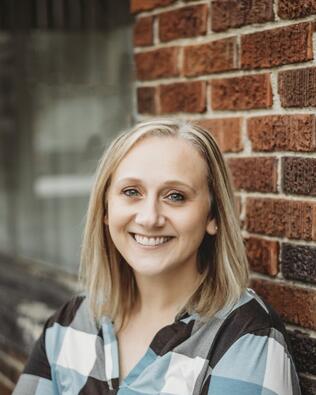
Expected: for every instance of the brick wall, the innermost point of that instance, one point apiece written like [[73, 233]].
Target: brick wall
[[246, 71]]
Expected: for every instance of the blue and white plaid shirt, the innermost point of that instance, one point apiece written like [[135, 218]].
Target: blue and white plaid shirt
[[241, 351]]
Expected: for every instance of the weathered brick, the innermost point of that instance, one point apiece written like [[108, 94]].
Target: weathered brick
[[241, 93], [219, 55], [236, 13], [297, 88], [296, 305], [146, 100], [183, 22], [274, 47], [308, 385], [183, 97], [283, 132], [292, 9], [299, 175], [226, 131], [254, 174], [279, 217], [304, 351], [298, 262], [262, 255], [143, 31], [146, 5], [159, 63]]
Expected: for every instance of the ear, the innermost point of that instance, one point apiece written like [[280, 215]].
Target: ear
[[211, 227]]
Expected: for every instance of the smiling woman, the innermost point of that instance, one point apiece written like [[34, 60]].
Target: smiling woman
[[166, 308]]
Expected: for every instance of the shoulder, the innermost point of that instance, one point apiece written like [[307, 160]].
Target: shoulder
[[68, 327], [66, 313], [249, 320], [251, 352], [72, 317]]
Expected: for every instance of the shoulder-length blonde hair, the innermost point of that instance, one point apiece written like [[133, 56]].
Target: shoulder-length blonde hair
[[109, 281]]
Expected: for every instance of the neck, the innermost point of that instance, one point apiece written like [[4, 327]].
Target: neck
[[165, 294]]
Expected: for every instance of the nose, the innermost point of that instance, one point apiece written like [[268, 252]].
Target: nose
[[149, 215]]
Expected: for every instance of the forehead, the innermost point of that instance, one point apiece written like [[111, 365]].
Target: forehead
[[158, 158]]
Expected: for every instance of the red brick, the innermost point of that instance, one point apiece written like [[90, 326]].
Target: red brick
[[299, 175], [146, 100], [159, 63], [298, 263], [283, 218], [296, 305], [183, 97], [263, 255], [297, 88], [275, 47], [183, 22], [283, 132], [235, 13], [146, 5], [292, 9], [209, 58], [143, 31], [226, 132], [254, 174], [241, 93]]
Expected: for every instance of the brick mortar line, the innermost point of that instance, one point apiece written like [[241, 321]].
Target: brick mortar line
[[295, 283], [275, 6], [307, 375], [208, 99], [247, 29], [275, 93], [245, 139], [232, 73], [172, 7], [277, 196], [305, 331], [274, 154], [213, 36], [231, 114], [279, 174], [155, 34], [300, 243]]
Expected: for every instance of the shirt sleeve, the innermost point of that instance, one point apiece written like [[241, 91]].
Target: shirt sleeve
[[36, 376], [257, 363]]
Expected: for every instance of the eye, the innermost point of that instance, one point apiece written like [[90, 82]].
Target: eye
[[177, 195], [130, 192]]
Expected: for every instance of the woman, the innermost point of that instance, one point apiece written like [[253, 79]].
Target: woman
[[166, 308]]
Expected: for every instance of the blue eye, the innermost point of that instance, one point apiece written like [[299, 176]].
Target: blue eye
[[177, 194], [129, 190]]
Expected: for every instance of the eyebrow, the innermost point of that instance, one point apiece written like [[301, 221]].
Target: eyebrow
[[168, 182]]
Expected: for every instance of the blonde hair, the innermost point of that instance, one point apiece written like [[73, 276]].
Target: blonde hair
[[109, 281]]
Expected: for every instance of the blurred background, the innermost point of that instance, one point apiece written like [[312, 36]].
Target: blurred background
[[66, 78]]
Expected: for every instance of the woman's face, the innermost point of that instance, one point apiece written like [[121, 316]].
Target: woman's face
[[159, 191]]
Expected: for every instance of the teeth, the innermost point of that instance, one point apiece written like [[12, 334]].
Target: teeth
[[150, 241]]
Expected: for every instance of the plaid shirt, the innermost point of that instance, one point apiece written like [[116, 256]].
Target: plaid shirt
[[240, 351]]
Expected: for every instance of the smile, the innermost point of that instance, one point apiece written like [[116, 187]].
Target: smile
[[150, 241]]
